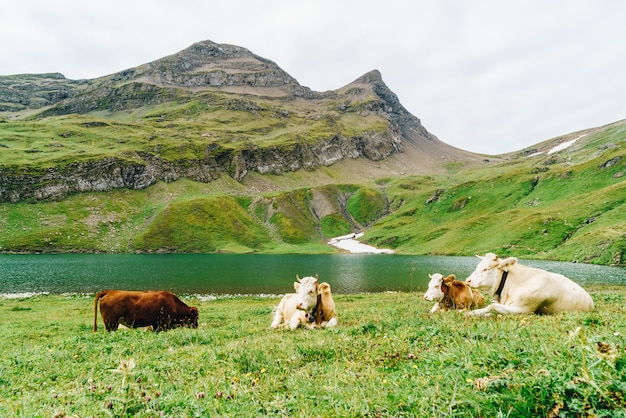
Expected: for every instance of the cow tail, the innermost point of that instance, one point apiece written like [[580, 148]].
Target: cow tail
[[95, 308]]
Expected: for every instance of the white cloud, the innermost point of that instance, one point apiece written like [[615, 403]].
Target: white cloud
[[487, 75]]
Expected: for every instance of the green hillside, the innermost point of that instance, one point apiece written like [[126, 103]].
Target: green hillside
[[215, 149], [569, 206]]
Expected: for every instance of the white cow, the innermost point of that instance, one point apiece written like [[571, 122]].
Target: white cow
[[294, 309], [519, 289], [434, 292]]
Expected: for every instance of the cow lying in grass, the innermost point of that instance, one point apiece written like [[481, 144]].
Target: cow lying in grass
[[324, 313], [450, 293], [295, 309], [518, 289]]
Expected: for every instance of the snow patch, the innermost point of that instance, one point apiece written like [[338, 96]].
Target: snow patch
[[351, 244], [565, 145], [23, 295]]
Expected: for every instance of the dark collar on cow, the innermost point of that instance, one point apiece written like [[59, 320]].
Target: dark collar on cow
[[502, 282]]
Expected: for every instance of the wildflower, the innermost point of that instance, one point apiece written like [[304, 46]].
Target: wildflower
[[605, 351], [575, 332], [481, 383], [125, 366]]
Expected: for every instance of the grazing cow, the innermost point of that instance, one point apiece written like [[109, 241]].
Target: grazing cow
[[519, 289], [295, 308], [452, 294], [324, 314], [160, 310]]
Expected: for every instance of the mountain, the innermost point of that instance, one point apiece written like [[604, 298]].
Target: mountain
[[215, 149], [209, 110]]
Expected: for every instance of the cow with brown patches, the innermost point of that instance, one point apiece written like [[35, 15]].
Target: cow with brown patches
[[452, 294], [294, 310], [161, 310], [325, 314]]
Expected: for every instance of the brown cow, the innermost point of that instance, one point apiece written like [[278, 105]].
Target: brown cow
[[160, 309], [325, 314], [452, 294]]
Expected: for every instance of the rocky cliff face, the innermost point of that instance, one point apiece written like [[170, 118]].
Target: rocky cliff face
[[224, 69], [34, 91], [144, 169]]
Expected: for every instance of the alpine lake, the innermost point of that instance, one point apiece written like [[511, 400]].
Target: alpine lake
[[250, 274]]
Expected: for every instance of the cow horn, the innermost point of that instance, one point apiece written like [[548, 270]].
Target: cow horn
[[298, 277], [317, 279]]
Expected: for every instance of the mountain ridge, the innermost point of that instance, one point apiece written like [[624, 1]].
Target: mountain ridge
[[208, 110]]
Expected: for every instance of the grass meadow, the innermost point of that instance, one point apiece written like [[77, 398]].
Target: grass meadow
[[387, 357]]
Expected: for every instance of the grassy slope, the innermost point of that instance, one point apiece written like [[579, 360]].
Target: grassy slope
[[569, 206], [176, 130], [388, 357]]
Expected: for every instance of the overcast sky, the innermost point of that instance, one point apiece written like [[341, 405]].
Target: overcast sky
[[488, 76]]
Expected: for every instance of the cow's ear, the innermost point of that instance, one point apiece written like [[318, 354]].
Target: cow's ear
[[449, 279], [296, 285], [507, 263]]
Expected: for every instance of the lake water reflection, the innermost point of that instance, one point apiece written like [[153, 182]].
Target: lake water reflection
[[250, 273]]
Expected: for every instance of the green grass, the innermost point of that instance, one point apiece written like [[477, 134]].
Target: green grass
[[177, 130], [568, 212], [388, 357], [212, 223]]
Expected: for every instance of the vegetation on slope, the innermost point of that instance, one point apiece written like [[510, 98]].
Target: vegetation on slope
[[175, 131], [567, 207]]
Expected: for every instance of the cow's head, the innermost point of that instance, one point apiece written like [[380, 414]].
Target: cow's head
[[447, 283], [306, 289], [193, 317], [489, 270], [323, 288], [434, 292]]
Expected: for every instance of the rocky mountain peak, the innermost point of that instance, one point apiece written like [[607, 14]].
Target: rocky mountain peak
[[209, 65]]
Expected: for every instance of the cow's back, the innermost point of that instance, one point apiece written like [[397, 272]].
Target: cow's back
[[159, 309], [555, 292], [572, 297], [459, 295], [288, 305], [131, 308]]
